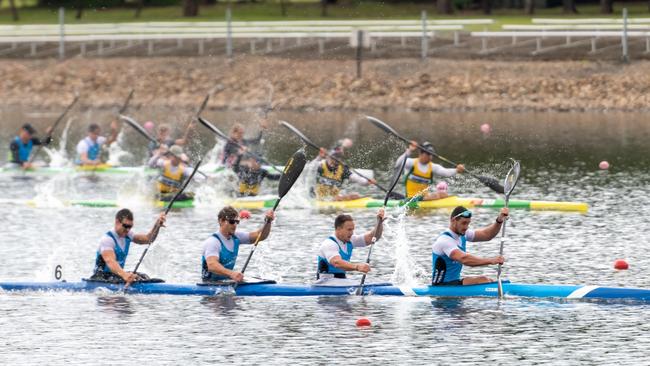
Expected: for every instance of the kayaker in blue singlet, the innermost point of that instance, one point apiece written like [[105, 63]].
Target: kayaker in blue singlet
[[114, 248], [449, 252], [335, 253], [20, 148], [221, 249], [89, 149]]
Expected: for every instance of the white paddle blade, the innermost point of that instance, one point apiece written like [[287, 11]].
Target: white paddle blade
[[512, 177]]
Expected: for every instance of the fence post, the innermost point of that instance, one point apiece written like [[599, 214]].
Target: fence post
[[626, 57], [61, 33], [425, 41], [229, 33], [359, 52]]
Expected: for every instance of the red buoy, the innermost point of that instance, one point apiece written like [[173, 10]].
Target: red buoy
[[621, 264], [244, 214], [363, 322]]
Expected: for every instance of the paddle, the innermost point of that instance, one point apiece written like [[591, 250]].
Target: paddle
[[290, 175], [136, 126], [196, 115], [489, 182], [54, 125], [379, 227], [307, 141], [219, 133], [509, 184], [157, 227]]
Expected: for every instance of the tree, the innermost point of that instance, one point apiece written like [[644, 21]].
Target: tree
[[607, 6], [569, 7], [529, 7], [444, 7], [190, 8], [486, 5], [14, 10], [138, 8]]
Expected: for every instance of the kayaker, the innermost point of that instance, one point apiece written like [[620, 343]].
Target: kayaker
[[173, 172], [335, 251], [21, 146], [250, 174], [419, 173], [114, 248], [221, 249], [163, 137], [232, 150], [449, 252], [89, 149], [330, 175]]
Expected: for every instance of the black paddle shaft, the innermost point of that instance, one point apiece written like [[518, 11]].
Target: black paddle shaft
[[491, 183], [309, 142], [54, 125]]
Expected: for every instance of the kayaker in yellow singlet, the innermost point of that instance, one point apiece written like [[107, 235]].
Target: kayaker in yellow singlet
[[251, 174], [419, 173], [173, 172], [330, 175]]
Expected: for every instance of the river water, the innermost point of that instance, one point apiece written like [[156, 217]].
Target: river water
[[559, 154]]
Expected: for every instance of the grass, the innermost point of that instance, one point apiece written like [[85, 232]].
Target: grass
[[305, 11]]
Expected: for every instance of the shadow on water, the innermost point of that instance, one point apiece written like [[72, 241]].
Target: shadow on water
[[221, 304], [120, 305]]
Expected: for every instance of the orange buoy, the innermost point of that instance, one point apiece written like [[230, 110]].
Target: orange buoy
[[621, 264], [363, 322], [244, 214]]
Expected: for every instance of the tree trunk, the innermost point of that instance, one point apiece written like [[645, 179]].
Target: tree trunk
[[80, 9], [444, 7], [190, 8], [606, 6], [138, 9], [14, 11], [486, 5], [529, 7], [283, 8], [569, 7], [323, 8]]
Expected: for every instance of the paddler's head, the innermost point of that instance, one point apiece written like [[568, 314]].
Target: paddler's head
[[123, 222], [425, 156], [237, 132], [163, 133], [343, 227], [252, 162], [228, 221], [26, 133], [175, 155], [93, 131], [332, 155], [459, 220]]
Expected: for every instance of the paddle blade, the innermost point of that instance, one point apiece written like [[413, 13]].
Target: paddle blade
[[131, 122], [491, 183], [291, 172], [298, 133], [382, 125], [213, 128], [511, 178]]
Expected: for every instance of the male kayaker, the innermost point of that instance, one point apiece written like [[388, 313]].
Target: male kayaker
[[114, 248], [449, 253], [221, 249], [232, 150], [330, 175], [89, 149], [335, 251], [21, 146], [420, 171], [163, 137], [250, 174], [173, 172]]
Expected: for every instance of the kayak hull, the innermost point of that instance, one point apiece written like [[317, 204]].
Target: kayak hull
[[273, 289]]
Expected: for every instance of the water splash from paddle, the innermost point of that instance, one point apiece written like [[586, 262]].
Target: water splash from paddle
[[115, 152], [407, 270], [59, 157], [53, 192]]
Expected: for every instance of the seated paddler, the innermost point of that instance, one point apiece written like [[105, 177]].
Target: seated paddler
[[419, 173], [335, 253], [114, 248], [250, 175], [173, 172], [330, 176], [221, 249], [20, 148], [449, 250]]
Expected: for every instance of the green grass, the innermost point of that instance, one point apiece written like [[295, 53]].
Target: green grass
[[304, 11]]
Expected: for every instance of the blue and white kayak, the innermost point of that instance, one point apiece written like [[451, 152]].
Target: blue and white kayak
[[269, 288]]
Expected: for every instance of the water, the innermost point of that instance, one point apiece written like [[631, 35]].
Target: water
[[559, 154]]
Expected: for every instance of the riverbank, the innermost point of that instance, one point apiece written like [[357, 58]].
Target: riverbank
[[396, 84]]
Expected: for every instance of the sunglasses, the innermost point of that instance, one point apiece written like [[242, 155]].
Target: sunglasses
[[126, 226], [233, 221], [466, 214]]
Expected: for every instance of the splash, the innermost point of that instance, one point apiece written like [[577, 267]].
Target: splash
[[139, 191], [115, 152], [53, 192], [59, 157], [407, 270]]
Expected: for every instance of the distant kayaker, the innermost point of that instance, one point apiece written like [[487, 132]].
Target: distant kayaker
[[232, 150], [163, 137], [173, 172], [449, 252], [335, 251], [20, 148], [221, 249], [419, 173], [114, 248], [330, 175], [250, 174], [89, 149]]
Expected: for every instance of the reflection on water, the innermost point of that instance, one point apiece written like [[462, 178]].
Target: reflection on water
[[119, 305]]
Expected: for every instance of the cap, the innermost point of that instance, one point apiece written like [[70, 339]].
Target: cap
[[428, 146], [29, 128], [336, 153], [176, 151]]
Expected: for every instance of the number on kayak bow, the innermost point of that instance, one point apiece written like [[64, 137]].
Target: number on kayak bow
[[58, 272]]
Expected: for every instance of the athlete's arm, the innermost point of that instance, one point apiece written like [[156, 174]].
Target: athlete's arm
[[340, 263], [150, 237], [215, 267], [265, 230], [109, 258], [472, 260], [489, 232]]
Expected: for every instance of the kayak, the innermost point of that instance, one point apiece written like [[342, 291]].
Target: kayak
[[96, 203], [270, 288], [449, 202], [262, 202]]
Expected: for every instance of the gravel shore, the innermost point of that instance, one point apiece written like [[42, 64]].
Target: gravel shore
[[398, 84]]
